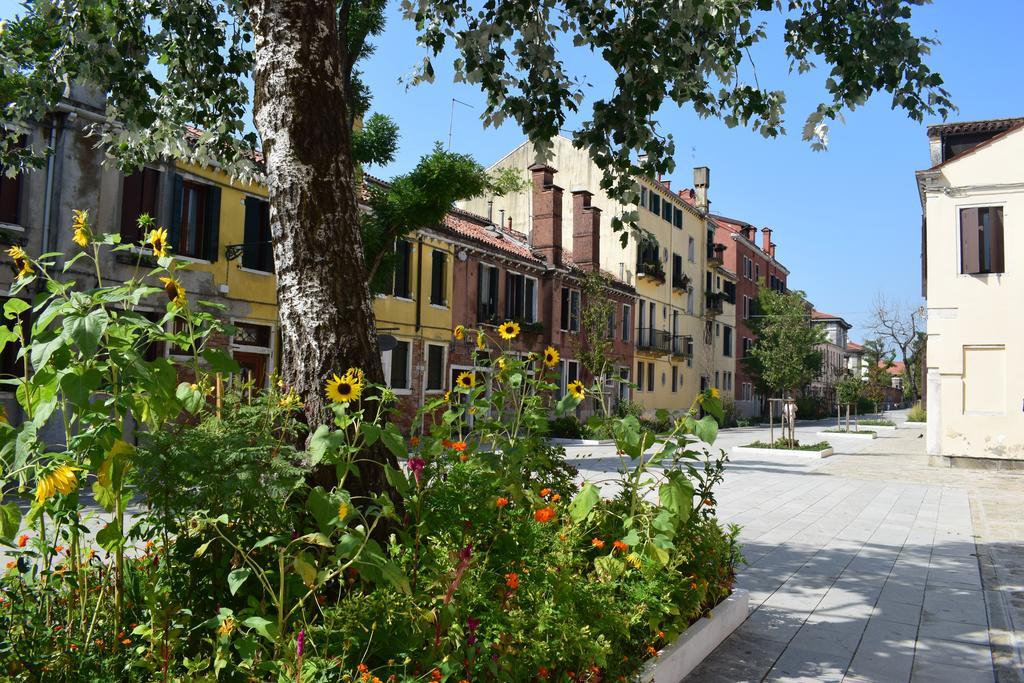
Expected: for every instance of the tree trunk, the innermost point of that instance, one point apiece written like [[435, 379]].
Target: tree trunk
[[300, 111]]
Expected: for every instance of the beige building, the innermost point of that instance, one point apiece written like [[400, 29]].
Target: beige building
[[668, 269], [833, 356], [973, 264]]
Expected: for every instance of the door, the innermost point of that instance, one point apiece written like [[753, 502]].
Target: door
[[254, 367]]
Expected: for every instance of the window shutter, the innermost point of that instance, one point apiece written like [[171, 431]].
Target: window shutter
[[174, 231], [251, 234], [531, 314], [565, 308], [492, 299], [481, 294], [510, 304], [970, 245], [995, 217], [211, 224], [131, 207]]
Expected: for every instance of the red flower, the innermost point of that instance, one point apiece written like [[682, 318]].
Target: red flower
[[414, 441], [446, 443], [597, 543], [22, 540], [512, 580], [619, 545], [436, 674], [544, 515], [463, 458], [542, 672], [544, 493], [501, 502], [459, 446]]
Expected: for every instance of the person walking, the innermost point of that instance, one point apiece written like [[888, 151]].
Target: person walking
[[789, 418]]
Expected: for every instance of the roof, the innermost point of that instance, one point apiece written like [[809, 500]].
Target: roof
[[852, 347], [825, 317], [897, 368], [998, 134], [966, 127]]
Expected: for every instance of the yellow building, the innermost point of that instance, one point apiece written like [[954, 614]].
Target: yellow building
[[667, 270]]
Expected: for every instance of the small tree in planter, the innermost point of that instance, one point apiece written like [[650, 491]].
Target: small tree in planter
[[594, 347], [848, 390]]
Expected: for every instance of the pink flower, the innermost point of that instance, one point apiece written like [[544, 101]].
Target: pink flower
[[300, 643], [416, 465]]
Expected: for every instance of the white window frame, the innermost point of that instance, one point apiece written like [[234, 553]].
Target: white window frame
[[385, 360], [269, 351], [691, 250], [426, 368], [627, 322], [579, 310], [563, 374]]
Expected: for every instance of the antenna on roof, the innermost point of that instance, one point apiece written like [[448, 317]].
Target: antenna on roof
[[451, 120]]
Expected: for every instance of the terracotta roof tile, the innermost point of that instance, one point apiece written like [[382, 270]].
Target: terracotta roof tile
[[985, 126]]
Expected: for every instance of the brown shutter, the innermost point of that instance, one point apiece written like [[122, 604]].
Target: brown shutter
[[970, 244], [995, 217], [10, 195]]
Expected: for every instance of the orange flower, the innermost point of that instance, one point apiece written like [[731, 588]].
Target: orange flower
[[414, 441], [597, 543], [436, 674], [542, 672], [555, 498], [693, 585], [459, 446], [544, 493], [59, 549], [12, 564], [651, 651], [544, 515], [22, 540], [362, 668], [501, 502], [446, 443], [126, 641], [463, 458], [512, 580], [619, 545]]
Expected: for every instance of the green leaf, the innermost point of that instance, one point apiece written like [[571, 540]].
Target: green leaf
[[86, 330], [394, 441], [15, 307], [237, 577], [396, 577], [220, 361], [267, 540], [324, 441], [79, 384], [202, 549], [109, 537], [609, 568], [676, 495], [397, 479], [584, 502], [190, 396], [706, 429], [264, 627], [323, 507], [10, 521], [305, 569], [657, 554]]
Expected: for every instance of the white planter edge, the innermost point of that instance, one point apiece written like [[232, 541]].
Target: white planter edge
[[852, 435], [681, 657], [747, 450], [580, 442]]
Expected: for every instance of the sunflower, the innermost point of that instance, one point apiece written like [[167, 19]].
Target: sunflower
[[158, 241], [576, 388], [633, 560], [508, 330], [714, 393], [501, 363], [61, 480], [174, 291], [459, 332], [80, 224], [22, 265], [466, 380], [481, 341], [551, 356], [343, 389]]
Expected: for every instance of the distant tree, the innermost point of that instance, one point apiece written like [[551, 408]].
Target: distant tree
[[915, 367], [594, 345], [784, 357], [848, 392], [877, 379], [898, 326]]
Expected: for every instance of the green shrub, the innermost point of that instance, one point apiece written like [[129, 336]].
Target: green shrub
[[874, 422], [565, 427], [843, 430], [794, 445], [917, 413]]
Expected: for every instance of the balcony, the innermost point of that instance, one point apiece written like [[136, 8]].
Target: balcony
[[716, 255], [648, 339], [714, 303], [681, 282], [651, 270], [682, 346]]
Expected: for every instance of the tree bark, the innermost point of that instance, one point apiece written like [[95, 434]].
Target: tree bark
[[300, 111]]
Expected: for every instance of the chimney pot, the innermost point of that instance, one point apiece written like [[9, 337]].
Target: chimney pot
[[586, 231], [701, 183], [547, 214], [766, 239]]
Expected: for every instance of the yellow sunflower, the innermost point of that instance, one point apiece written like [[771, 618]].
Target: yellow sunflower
[[61, 480], [576, 388], [343, 389], [80, 224], [466, 380], [633, 560], [501, 362], [158, 241], [481, 341], [342, 512], [551, 356], [508, 330], [714, 393], [174, 291], [460, 332], [447, 397], [21, 263], [356, 375]]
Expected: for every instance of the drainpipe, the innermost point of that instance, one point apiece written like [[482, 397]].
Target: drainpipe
[[48, 194], [419, 279]]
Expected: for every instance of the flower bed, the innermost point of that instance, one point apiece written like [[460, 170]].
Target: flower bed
[[853, 433], [783, 446], [446, 553]]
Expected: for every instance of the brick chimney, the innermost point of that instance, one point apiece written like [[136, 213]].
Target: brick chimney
[[771, 250], [586, 231], [748, 233], [701, 183], [547, 214], [766, 239]]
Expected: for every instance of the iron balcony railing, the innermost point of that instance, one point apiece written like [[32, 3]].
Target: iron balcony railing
[[650, 339], [682, 345]]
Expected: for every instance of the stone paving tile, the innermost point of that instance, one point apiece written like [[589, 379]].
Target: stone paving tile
[[932, 672], [886, 652]]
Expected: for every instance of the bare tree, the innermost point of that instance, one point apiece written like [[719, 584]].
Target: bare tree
[[898, 325]]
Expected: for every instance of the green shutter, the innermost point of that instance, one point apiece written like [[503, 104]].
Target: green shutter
[[175, 229], [251, 234], [211, 224]]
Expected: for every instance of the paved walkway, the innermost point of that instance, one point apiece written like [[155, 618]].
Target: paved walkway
[[864, 566]]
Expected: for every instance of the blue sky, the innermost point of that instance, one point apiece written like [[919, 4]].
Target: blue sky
[[846, 221]]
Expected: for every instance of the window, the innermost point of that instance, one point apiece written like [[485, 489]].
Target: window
[[981, 240], [677, 218], [520, 298], [624, 384], [730, 292], [689, 301], [643, 197], [10, 193], [746, 307], [650, 377], [251, 349], [640, 376], [439, 277], [402, 287], [195, 219], [691, 250], [569, 371], [666, 211], [677, 272], [570, 309], [258, 252], [654, 203], [748, 270], [435, 367], [627, 321], [757, 272], [487, 294], [611, 322], [138, 196], [675, 379], [727, 341], [10, 364], [716, 379], [397, 364], [747, 344]]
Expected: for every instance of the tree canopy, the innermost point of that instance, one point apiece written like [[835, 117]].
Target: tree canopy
[[784, 356]]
